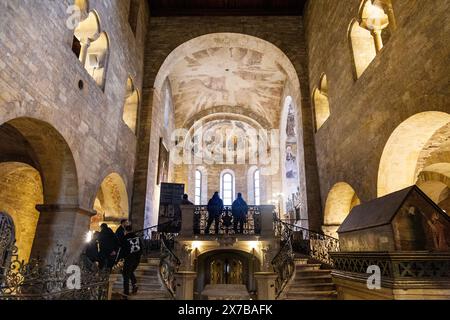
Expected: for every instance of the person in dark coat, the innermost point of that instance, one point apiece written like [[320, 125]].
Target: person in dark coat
[[108, 247], [91, 249], [132, 250], [215, 209], [239, 210], [120, 234], [186, 201]]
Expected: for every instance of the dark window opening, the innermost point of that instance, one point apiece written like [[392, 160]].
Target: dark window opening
[[76, 46]]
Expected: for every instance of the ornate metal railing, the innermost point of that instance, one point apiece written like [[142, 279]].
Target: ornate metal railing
[[396, 265], [38, 280], [168, 266], [283, 265], [311, 243], [252, 225]]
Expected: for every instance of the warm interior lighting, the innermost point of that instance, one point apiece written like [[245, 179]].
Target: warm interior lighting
[[89, 236]]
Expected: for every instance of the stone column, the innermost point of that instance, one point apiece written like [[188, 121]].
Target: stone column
[[184, 282], [378, 39], [187, 220], [64, 225], [265, 282], [85, 43]]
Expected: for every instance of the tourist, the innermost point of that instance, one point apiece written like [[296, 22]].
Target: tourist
[[108, 247], [186, 201], [120, 232], [132, 251], [239, 211], [215, 209]]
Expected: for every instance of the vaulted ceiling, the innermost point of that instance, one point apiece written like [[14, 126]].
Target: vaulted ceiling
[[226, 7], [227, 76]]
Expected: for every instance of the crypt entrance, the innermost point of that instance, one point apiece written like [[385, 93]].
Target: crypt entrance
[[225, 270]]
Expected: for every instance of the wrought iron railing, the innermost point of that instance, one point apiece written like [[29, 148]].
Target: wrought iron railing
[[311, 243], [38, 280], [169, 265], [252, 225], [283, 265]]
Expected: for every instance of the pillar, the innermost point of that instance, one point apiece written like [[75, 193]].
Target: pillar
[[187, 220], [265, 282], [267, 220], [378, 39], [64, 225], [184, 282]]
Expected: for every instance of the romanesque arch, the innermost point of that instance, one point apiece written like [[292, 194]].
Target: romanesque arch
[[41, 175], [412, 141], [341, 199], [111, 202]]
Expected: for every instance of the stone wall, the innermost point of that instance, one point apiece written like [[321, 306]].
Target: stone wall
[[40, 77], [408, 76]]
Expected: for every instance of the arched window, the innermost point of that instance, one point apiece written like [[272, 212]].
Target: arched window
[[370, 32], [257, 187], [321, 102], [167, 107], [131, 107], [227, 188], [198, 187], [91, 46]]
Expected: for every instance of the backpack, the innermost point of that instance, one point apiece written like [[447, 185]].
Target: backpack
[[135, 245]]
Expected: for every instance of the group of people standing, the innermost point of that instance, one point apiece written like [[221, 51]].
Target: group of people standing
[[107, 248], [239, 212]]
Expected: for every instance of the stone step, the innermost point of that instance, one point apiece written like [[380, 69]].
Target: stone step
[[312, 295], [312, 280], [300, 261], [151, 296], [310, 266], [312, 287], [311, 273], [142, 286]]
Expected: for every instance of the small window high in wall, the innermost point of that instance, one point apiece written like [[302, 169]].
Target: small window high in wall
[[91, 46], [321, 102], [131, 107], [257, 187], [370, 32], [227, 187]]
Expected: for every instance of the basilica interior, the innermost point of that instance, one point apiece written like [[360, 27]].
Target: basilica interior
[[331, 119]]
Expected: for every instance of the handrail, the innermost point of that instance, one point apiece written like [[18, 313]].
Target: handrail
[[317, 245], [169, 265]]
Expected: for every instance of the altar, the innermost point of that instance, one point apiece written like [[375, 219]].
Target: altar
[[226, 292]]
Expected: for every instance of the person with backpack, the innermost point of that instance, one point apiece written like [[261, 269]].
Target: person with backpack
[[132, 251], [215, 209]]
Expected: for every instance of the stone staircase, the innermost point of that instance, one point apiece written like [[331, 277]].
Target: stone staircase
[[150, 284], [310, 282]]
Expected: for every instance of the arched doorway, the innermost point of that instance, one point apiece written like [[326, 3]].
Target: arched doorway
[[40, 188], [226, 267], [21, 191], [111, 203], [341, 199]]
